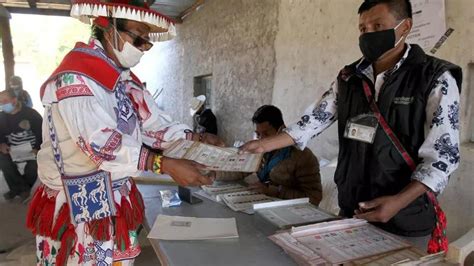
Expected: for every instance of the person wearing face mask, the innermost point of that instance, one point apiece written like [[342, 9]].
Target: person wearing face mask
[[101, 128], [21, 126], [287, 173], [397, 111], [16, 84]]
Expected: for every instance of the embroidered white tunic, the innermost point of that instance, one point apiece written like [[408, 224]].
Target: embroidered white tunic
[[99, 129], [103, 125]]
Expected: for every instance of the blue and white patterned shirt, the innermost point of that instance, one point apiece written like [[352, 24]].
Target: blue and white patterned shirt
[[440, 150]]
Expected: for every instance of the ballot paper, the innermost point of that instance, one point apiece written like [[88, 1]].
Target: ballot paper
[[213, 157], [22, 152], [216, 190], [192, 228], [286, 213], [404, 255], [338, 242], [301, 254], [244, 200], [220, 188]]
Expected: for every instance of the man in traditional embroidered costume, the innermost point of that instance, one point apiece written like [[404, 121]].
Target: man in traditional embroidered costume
[[98, 119]]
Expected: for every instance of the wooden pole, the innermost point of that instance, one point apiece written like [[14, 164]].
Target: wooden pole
[[7, 49]]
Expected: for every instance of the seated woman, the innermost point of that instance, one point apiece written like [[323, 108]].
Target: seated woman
[[287, 173]]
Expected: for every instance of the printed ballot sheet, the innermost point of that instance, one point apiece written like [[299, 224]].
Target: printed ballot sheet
[[411, 254], [215, 158], [287, 213], [22, 152], [223, 188], [347, 240], [338, 242], [192, 228], [244, 200], [216, 190]]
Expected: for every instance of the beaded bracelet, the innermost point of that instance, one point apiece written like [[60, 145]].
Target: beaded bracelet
[[157, 164]]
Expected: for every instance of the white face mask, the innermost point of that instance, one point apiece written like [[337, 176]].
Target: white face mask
[[129, 56]]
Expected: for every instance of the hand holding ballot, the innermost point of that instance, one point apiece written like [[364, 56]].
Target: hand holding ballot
[[213, 157], [188, 173]]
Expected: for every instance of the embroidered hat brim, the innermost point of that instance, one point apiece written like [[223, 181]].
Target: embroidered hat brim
[[162, 28]]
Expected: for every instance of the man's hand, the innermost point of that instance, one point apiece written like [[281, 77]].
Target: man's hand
[[35, 151], [257, 187], [185, 172], [212, 140], [384, 208], [4, 148], [253, 146], [379, 210]]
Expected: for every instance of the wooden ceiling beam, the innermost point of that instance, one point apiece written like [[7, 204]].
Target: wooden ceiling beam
[[38, 11], [190, 10]]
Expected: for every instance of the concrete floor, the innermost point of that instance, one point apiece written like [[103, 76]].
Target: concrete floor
[[17, 245]]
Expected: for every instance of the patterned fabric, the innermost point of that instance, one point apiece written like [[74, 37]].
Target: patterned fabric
[[89, 197], [108, 131], [88, 251], [440, 151], [106, 127]]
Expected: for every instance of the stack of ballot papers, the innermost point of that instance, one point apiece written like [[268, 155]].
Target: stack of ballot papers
[[216, 190], [244, 200], [340, 242], [284, 214], [192, 228]]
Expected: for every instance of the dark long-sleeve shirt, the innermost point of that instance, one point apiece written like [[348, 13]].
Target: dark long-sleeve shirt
[[22, 127]]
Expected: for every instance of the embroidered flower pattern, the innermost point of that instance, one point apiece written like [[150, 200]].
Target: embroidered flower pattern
[[443, 167], [446, 149], [304, 121], [453, 115], [421, 174], [444, 90], [437, 117], [444, 85], [320, 114]]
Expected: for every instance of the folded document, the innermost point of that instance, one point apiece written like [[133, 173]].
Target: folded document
[[192, 228]]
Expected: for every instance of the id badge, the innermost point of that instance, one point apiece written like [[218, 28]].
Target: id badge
[[362, 128]]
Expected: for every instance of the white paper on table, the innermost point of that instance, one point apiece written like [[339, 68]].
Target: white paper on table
[[192, 228], [22, 152]]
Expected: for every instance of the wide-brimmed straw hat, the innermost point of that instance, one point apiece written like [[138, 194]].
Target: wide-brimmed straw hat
[[162, 28]]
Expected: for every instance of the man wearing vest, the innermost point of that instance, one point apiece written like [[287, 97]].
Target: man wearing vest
[[397, 111], [102, 128]]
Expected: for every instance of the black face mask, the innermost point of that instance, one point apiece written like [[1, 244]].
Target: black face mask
[[374, 44]]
